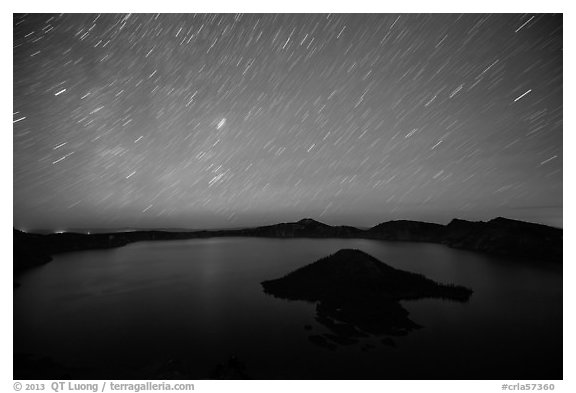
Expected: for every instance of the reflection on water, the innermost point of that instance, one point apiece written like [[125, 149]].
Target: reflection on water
[[198, 303]]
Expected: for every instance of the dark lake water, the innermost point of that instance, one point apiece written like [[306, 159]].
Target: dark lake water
[[199, 302]]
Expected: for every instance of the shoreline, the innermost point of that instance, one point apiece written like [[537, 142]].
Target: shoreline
[[498, 237]]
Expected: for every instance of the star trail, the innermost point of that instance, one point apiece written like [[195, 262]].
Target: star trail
[[226, 120]]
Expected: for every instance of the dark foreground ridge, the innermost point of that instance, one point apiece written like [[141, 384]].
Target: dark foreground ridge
[[359, 296], [499, 236]]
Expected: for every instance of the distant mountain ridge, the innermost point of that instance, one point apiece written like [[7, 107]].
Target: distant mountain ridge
[[500, 236]]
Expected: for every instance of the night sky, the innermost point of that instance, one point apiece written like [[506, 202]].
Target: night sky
[[205, 121]]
